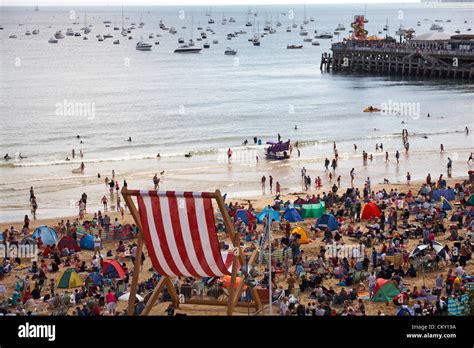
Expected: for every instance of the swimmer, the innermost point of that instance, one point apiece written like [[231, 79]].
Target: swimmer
[[20, 156], [188, 155], [158, 155], [129, 139], [296, 127], [78, 136], [7, 157], [67, 159]]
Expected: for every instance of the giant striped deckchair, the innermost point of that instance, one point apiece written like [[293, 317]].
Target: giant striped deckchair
[[179, 231]]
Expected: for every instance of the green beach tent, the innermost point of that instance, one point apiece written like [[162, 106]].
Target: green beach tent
[[69, 278], [313, 210], [385, 291]]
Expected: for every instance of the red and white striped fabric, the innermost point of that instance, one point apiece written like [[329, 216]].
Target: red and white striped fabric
[[180, 234]]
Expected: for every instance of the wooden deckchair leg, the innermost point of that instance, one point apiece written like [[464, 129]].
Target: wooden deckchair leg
[[172, 292], [154, 296], [138, 257]]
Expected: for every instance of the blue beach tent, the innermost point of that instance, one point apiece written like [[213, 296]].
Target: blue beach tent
[[292, 215], [274, 215], [47, 234], [87, 242], [329, 221]]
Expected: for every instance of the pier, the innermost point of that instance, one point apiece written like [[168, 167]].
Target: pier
[[449, 58]]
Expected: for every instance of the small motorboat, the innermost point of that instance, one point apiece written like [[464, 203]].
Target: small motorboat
[[143, 46], [230, 51], [294, 47], [206, 45], [315, 43], [53, 40], [116, 42]]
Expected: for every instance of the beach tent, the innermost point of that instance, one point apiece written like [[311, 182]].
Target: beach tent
[[303, 236], [370, 211], [28, 240], [273, 214], [470, 201], [68, 242], [446, 193], [94, 278], [87, 242], [292, 215], [69, 278], [313, 210], [445, 204], [327, 220], [47, 234], [112, 269], [385, 290], [244, 215]]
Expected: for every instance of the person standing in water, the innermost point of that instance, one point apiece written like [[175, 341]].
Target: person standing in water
[[229, 154], [408, 178], [397, 156], [83, 166], [263, 181], [441, 148], [270, 179]]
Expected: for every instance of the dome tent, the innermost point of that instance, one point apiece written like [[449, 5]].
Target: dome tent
[[370, 211], [327, 221], [87, 242], [385, 291], [274, 215], [68, 242], [47, 234], [302, 233], [292, 215]]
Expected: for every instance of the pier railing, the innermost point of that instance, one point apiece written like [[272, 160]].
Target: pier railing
[[403, 50]]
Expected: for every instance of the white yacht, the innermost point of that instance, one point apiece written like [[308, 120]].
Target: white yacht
[[187, 49], [231, 20], [315, 43], [211, 21], [181, 40], [53, 40], [400, 31], [324, 35], [12, 36], [77, 34], [36, 32], [340, 27], [108, 36], [116, 42], [215, 42], [173, 30], [143, 46], [151, 36], [100, 38], [303, 32], [206, 45], [288, 29], [256, 41], [230, 51], [437, 27], [28, 32], [69, 32]]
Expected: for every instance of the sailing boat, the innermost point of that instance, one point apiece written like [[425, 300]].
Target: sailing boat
[[386, 25], [211, 21], [278, 20], [124, 31], [86, 29], [305, 21], [248, 24], [256, 39], [141, 24], [115, 24], [37, 8], [224, 20], [294, 24], [190, 47]]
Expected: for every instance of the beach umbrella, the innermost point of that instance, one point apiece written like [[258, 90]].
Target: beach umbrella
[[419, 248], [440, 251], [126, 296]]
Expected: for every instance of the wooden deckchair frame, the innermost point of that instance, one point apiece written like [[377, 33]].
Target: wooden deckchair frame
[[165, 281]]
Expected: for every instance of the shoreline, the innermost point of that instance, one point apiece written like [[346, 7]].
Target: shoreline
[[258, 202]]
